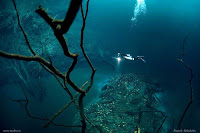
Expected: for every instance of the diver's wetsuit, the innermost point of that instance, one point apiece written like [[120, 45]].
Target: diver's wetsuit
[[126, 56], [129, 57]]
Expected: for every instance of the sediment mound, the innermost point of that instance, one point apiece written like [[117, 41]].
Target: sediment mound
[[126, 104]]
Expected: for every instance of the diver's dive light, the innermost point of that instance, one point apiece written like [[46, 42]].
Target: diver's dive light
[[118, 59]]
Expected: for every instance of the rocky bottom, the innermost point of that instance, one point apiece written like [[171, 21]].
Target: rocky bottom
[[126, 104]]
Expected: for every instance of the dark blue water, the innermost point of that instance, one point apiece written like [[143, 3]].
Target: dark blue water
[[157, 33]]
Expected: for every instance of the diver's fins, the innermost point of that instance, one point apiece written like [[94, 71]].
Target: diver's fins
[[141, 58]]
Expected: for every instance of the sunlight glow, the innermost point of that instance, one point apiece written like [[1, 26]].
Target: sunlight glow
[[140, 8]]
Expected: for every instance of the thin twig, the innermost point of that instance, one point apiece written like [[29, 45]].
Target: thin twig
[[190, 80], [82, 113], [60, 111], [145, 111], [161, 124], [60, 27], [19, 23], [32, 58], [91, 123], [57, 113], [184, 42], [191, 93], [26, 100]]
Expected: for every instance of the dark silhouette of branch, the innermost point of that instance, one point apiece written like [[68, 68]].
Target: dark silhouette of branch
[[157, 97], [72, 11], [57, 113], [184, 42], [83, 116], [172, 127], [91, 123], [56, 26], [19, 23], [60, 27], [65, 107], [33, 58], [145, 111], [26, 100], [191, 92], [60, 111], [82, 34], [190, 80], [161, 124]]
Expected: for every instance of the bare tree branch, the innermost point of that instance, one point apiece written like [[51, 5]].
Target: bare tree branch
[[190, 80], [83, 117], [55, 26], [161, 124], [60, 27], [191, 92], [19, 23], [26, 100], [184, 42], [57, 113], [33, 58]]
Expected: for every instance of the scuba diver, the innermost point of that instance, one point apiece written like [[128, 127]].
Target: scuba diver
[[122, 56]]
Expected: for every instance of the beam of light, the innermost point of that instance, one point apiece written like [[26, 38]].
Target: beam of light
[[140, 8], [118, 60], [118, 63]]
